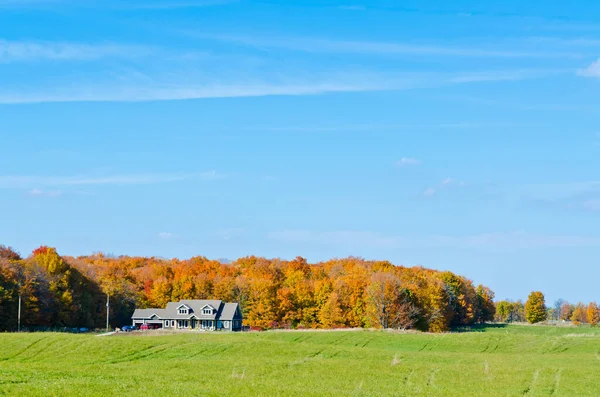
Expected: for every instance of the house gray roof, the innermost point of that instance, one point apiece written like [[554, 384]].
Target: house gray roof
[[147, 313], [222, 311], [229, 311]]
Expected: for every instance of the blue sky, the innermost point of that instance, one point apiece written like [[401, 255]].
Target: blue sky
[[458, 136]]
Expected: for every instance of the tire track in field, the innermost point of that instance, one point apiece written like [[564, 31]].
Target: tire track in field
[[433, 346], [492, 341], [313, 355], [154, 352], [406, 380], [556, 382], [558, 347], [339, 340], [498, 340], [42, 350], [136, 354], [23, 350], [219, 351], [196, 354], [301, 339], [489, 342], [68, 347], [368, 341], [431, 378], [529, 388]]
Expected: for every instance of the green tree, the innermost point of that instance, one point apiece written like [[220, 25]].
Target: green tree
[[535, 308]]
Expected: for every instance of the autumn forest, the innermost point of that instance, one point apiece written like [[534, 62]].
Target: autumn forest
[[61, 291]]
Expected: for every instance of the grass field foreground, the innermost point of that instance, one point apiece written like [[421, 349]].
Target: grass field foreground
[[502, 361]]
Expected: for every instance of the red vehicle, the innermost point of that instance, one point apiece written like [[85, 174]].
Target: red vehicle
[[145, 327]]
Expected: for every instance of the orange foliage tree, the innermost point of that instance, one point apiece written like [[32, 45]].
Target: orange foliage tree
[[273, 293]]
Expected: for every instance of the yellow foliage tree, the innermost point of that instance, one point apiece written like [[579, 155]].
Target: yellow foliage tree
[[592, 314], [535, 308]]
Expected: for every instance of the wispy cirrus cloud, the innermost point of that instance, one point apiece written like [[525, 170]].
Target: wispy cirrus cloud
[[592, 205], [592, 70], [28, 181], [559, 191], [138, 87], [44, 193], [20, 51], [227, 234], [169, 5], [332, 46], [444, 184], [408, 161], [115, 4], [352, 7], [26, 3], [352, 239]]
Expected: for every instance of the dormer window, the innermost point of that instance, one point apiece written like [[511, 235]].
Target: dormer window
[[207, 310], [183, 309]]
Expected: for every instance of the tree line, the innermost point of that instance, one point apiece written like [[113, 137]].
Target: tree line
[[62, 291], [535, 311]]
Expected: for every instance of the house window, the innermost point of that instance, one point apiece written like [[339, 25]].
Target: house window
[[207, 310], [166, 323], [183, 311], [172, 323], [226, 324]]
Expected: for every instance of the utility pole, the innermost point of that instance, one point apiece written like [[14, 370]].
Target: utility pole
[[107, 310], [19, 314]]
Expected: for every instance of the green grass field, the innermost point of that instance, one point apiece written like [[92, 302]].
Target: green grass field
[[511, 361]]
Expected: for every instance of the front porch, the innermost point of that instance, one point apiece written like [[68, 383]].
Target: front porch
[[201, 325]]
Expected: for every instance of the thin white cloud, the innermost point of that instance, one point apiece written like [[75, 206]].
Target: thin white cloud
[[185, 92], [444, 184], [330, 46], [136, 88], [165, 235], [591, 71], [168, 5], [114, 4], [346, 237], [26, 3], [25, 181], [429, 192], [558, 191], [408, 161], [370, 127], [592, 205], [353, 8], [44, 193], [227, 234], [20, 51], [351, 239]]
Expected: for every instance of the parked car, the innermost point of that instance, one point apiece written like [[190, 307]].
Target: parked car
[[128, 328]]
